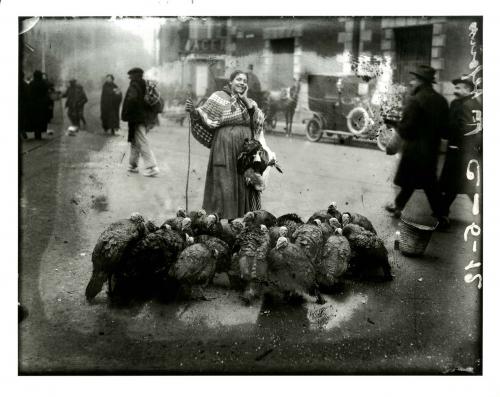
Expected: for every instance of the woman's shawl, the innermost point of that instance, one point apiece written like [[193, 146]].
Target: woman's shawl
[[223, 109]]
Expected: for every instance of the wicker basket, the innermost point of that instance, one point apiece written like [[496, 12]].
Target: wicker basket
[[414, 237]]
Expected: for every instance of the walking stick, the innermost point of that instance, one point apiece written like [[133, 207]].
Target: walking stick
[[189, 162]]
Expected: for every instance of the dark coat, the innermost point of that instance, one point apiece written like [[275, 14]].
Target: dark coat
[[461, 149], [424, 122], [135, 110], [111, 97], [38, 105], [23, 106], [76, 98]]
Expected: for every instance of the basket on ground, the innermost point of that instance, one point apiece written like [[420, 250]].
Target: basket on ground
[[414, 237]]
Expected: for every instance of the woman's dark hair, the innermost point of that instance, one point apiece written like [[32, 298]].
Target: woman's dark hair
[[110, 75], [236, 73]]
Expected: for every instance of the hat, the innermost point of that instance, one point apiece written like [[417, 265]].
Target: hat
[[464, 80], [136, 71], [426, 73]]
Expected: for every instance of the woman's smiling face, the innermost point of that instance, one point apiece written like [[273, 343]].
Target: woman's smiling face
[[239, 83]]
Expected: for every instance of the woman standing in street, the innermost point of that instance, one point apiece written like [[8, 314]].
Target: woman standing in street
[[223, 122], [111, 97]]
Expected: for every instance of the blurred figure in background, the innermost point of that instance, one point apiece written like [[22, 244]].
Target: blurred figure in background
[[23, 107], [461, 148], [111, 98], [135, 112], [38, 104], [52, 93], [75, 102], [254, 88]]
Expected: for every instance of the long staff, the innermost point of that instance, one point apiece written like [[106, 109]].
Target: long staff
[[189, 161]]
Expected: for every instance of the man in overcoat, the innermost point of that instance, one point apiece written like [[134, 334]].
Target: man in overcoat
[[424, 122], [140, 119], [464, 143], [75, 102]]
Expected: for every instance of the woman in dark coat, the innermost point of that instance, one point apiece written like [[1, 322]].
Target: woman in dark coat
[[226, 119], [111, 98], [39, 104]]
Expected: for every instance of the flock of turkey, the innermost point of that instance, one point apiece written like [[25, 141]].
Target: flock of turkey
[[260, 254]]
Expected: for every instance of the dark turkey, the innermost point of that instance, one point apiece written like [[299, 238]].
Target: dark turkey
[[220, 250], [144, 273], [310, 239], [229, 232], [110, 249], [367, 250], [334, 261], [357, 219], [290, 221], [253, 247], [332, 210], [199, 222], [180, 223], [291, 272], [195, 266], [259, 217]]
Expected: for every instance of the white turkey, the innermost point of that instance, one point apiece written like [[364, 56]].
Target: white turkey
[[107, 256]]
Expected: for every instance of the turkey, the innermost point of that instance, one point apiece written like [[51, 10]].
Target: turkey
[[325, 215], [144, 272], [327, 229], [357, 219], [253, 247], [220, 250], [367, 251], [310, 239], [333, 211], [110, 249], [200, 222], [334, 261], [276, 232], [195, 266], [291, 272], [180, 223], [290, 221], [260, 217], [228, 232]]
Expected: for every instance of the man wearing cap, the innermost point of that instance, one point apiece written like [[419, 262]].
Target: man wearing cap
[[136, 113], [461, 148], [424, 122]]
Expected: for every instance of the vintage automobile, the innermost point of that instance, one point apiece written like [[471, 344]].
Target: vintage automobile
[[342, 107]]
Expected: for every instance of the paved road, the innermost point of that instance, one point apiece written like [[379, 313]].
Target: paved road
[[426, 321]]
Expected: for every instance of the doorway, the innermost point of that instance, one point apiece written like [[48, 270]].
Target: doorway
[[282, 63], [413, 48]]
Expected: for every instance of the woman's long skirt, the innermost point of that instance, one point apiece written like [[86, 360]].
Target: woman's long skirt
[[225, 190]]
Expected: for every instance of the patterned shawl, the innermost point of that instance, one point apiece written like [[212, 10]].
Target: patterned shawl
[[223, 108]]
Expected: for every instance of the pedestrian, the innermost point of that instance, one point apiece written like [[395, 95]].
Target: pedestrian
[[23, 107], [111, 98], [38, 104], [254, 88], [462, 148], [51, 92], [227, 118], [140, 120], [75, 102], [424, 122]]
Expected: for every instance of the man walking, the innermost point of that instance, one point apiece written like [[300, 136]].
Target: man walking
[[424, 121], [461, 147], [140, 120], [75, 102]]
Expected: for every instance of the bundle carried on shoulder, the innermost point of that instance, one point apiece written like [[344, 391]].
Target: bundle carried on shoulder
[[153, 97]]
